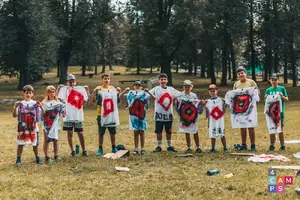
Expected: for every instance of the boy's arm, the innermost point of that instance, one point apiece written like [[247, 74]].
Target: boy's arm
[[284, 95], [147, 90], [41, 107], [122, 93], [15, 109]]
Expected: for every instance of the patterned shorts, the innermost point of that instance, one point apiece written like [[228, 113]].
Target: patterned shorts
[[69, 126]]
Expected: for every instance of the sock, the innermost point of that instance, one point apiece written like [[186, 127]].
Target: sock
[[243, 144], [143, 149], [188, 146], [100, 147], [37, 159], [169, 143], [159, 143], [198, 147], [113, 146], [252, 145], [56, 156], [18, 159], [136, 149]]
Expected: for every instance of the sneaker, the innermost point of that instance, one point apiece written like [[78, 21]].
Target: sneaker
[[189, 150], [18, 162], [136, 152], [38, 160], [213, 150], [242, 147], [48, 160], [225, 150], [85, 153], [143, 152], [157, 149], [253, 147], [271, 148], [236, 146], [99, 152], [282, 148], [172, 149], [114, 150], [198, 150], [73, 154], [57, 158]]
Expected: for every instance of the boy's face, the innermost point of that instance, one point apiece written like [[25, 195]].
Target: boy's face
[[106, 80], [274, 82], [242, 75], [137, 87], [28, 95], [163, 81], [51, 94], [213, 92], [187, 88], [72, 82]]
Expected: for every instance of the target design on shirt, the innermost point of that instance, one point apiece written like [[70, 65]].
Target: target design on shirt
[[275, 112], [108, 107], [165, 101], [241, 103], [138, 109], [216, 113], [188, 113], [76, 99]]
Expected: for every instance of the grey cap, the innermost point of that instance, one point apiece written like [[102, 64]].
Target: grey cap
[[70, 77], [137, 82], [187, 83], [241, 69], [274, 76]]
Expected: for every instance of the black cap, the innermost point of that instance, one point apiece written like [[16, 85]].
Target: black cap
[[274, 76], [241, 69], [162, 75]]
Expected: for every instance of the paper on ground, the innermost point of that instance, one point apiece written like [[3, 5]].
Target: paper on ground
[[122, 169]]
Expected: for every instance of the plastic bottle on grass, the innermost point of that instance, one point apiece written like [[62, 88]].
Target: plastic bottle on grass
[[212, 172], [77, 149]]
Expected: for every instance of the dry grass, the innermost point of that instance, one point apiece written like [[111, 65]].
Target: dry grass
[[153, 176]]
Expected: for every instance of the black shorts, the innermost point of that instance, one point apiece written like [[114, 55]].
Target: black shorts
[[159, 126], [69, 126], [101, 129]]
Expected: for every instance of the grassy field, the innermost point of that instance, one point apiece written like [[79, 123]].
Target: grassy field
[[153, 176]]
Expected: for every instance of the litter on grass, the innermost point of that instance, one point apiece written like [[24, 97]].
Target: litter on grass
[[266, 158]]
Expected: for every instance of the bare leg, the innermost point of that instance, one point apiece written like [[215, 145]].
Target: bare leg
[[81, 140], [113, 139], [169, 136], [136, 139], [281, 138], [36, 150], [252, 135], [159, 136], [223, 140], [70, 140], [244, 135], [55, 147], [188, 139], [196, 138], [142, 138], [45, 145], [213, 143], [19, 150], [101, 139]]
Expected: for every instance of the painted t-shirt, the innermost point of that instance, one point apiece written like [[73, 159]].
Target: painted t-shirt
[[97, 91], [163, 107], [188, 107], [243, 107], [137, 101], [51, 123], [109, 108], [248, 83], [29, 114], [74, 98], [273, 112], [277, 90], [215, 112]]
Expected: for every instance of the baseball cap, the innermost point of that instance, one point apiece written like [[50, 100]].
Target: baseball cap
[[187, 83], [241, 69], [274, 76], [70, 77], [137, 82]]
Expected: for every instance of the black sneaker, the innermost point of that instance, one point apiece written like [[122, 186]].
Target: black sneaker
[[242, 147], [85, 153], [226, 150], [136, 152], [282, 148], [48, 160], [172, 149], [38, 160], [212, 150], [253, 147], [198, 150], [271, 148], [157, 149], [189, 150], [73, 154], [143, 152]]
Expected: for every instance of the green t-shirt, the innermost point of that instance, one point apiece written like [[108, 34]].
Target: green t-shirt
[[272, 91]]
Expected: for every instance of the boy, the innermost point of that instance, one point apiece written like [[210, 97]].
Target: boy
[[244, 82], [215, 111], [188, 107], [98, 97], [137, 101], [74, 97], [29, 113], [280, 90], [163, 114]]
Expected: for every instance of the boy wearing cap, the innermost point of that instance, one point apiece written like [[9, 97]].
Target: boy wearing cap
[[244, 82], [163, 111], [280, 90], [137, 100], [215, 111], [74, 97], [188, 96], [98, 98]]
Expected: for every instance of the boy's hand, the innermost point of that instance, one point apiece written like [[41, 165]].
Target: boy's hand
[[119, 89], [280, 93], [204, 101], [127, 89], [146, 90], [16, 104], [39, 104]]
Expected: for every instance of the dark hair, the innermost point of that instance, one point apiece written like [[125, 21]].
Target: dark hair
[[105, 75], [241, 69], [162, 75], [28, 88]]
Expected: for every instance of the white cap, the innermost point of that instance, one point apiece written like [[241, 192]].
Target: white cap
[[70, 77]]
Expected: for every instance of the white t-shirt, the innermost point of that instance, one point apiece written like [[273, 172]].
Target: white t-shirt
[[30, 104], [215, 114], [109, 108], [272, 112], [243, 107], [74, 98], [163, 108]]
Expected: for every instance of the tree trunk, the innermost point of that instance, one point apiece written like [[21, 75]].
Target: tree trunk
[[96, 69], [166, 68], [190, 67], [211, 65], [285, 73], [109, 63], [224, 59], [151, 68], [252, 41], [195, 56], [83, 68], [63, 66], [103, 66], [232, 59], [58, 70], [229, 69], [177, 66]]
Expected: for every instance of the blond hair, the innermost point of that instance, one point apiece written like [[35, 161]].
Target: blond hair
[[48, 88]]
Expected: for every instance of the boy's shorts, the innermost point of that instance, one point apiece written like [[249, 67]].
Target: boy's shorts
[[159, 126], [69, 126], [101, 130]]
